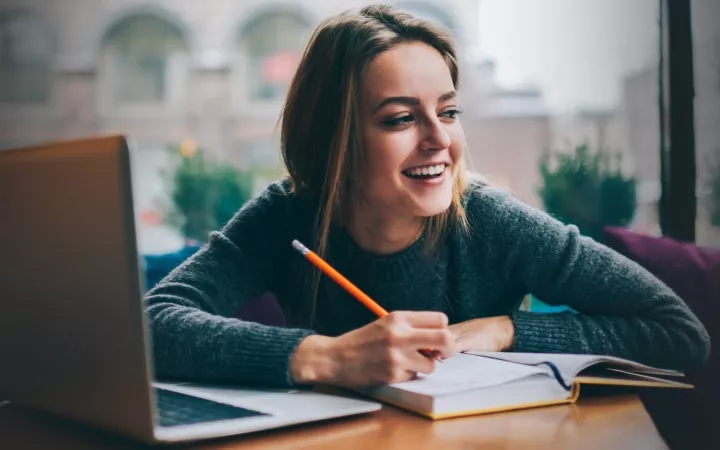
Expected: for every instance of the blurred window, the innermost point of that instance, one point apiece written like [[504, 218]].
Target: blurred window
[[567, 117], [145, 61], [25, 56], [706, 58], [271, 47], [263, 154]]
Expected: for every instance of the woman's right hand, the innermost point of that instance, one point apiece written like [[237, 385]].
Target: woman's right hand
[[383, 352]]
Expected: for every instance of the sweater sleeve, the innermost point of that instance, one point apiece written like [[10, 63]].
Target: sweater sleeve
[[191, 312], [622, 309]]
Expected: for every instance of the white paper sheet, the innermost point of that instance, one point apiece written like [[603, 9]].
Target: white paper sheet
[[464, 372]]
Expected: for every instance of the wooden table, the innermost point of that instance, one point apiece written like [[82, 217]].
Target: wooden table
[[618, 422]]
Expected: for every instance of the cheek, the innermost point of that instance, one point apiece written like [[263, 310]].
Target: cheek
[[458, 144], [384, 155], [381, 176]]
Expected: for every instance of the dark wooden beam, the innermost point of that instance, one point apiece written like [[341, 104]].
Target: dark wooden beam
[[663, 210], [679, 183]]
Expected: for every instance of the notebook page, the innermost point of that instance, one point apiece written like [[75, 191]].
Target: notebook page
[[465, 372], [568, 365], [571, 364]]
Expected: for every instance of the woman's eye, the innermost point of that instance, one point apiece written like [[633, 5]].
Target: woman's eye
[[398, 121], [451, 113]]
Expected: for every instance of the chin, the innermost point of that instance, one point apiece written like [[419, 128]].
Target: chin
[[433, 207], [429, 197]]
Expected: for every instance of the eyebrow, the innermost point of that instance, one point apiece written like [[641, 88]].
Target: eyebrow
[[411, 101]]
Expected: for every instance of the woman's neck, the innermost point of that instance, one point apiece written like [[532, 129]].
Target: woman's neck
[[384, 234]]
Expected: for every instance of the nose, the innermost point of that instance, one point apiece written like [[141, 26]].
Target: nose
[[435, 135]]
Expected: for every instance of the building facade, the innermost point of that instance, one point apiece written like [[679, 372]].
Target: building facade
[[216, 72]]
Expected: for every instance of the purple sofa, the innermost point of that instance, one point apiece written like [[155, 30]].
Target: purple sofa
[[687, 419]]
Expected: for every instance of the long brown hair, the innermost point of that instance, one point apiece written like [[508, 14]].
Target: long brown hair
[[320, 135]]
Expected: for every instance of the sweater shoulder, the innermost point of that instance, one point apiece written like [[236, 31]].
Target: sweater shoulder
[[268, 212], [481, 196], [277, 191], [273, 200], [496, 210]]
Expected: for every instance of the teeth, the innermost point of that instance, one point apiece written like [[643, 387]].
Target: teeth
[[428, 170]]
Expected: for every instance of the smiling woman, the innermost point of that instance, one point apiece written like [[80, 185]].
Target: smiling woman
[[408, 141], [374, 148], [398, 112]]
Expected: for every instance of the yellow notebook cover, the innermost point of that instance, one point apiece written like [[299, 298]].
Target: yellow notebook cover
[[483, 383]]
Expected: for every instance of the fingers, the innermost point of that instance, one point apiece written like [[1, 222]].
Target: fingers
[[402, 375], [419, 330], [423, 319], [402, 363], [419, 363], [440, 342], [402, 335]]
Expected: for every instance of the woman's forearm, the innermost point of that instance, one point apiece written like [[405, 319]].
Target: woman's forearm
[[194, 345]]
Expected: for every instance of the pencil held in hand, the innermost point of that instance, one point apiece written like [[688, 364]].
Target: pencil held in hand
[[340, 279], [336, 276]]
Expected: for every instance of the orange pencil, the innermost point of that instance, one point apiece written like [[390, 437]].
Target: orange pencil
[[345, 284]]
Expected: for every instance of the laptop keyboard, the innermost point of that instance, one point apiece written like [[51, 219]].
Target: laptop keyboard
[[175, 409]]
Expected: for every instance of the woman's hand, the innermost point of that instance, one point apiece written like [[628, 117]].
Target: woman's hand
[[491, 334], [385, 351]]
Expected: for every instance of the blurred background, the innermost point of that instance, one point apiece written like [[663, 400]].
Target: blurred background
[[561, 99]]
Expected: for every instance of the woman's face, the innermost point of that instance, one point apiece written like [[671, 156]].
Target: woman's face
[[412, 139]]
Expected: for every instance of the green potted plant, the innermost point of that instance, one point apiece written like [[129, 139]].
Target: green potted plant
[[204, 192], [586, 189]]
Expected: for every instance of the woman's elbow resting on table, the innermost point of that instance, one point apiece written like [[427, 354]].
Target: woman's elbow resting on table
[[692, 340], [675, 339]]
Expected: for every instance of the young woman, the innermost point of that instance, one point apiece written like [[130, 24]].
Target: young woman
[[374, 149]]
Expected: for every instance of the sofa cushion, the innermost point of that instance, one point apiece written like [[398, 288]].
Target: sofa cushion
[[684, 418]]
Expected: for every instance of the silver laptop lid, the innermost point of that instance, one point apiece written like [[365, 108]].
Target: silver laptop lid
[[72, 329]]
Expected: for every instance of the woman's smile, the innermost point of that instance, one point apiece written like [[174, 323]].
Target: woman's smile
[[428, 174]]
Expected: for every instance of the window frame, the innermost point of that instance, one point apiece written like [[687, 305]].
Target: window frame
[[24, 106], [109, 107], [241, 100], [678, 200]]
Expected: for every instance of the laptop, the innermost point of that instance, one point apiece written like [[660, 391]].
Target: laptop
[[74, 339]]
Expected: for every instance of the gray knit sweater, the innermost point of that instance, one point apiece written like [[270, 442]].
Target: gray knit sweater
[[619, 308]]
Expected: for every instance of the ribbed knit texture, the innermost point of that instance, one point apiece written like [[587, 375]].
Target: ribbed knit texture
[[510, 251]]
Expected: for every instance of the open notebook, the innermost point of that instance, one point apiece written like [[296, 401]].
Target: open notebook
[[476, 383]]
